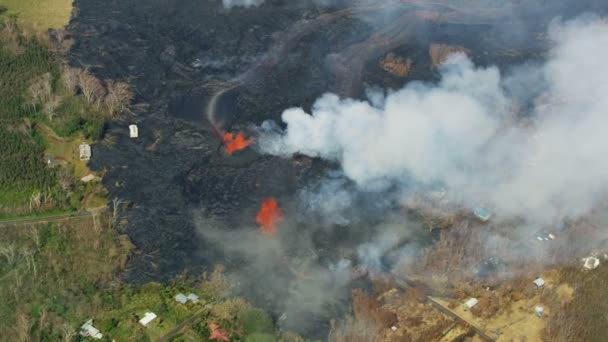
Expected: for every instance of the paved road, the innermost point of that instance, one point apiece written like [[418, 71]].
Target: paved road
[[404, 282], [447, 311], [53, 218]]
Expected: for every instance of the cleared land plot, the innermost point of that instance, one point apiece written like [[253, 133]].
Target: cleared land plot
[[41, 14]]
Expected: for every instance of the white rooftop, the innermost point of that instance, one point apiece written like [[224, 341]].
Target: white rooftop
[[84, 151], [471, 303], [87, 178], [193, 298], [133, 131], [181, 298], [539, 282], [148, 317], [591, 262], [482, 213], [88, 330]]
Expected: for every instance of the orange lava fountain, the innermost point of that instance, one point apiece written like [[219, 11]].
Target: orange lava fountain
[[236, 142], [269, 216]]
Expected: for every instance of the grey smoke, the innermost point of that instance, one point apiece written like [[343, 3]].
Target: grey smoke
[[284, 270], [241, 3], [464, 133]]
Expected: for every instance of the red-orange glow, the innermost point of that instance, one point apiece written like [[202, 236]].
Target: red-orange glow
[[236, 142], [269, 216], [217, 333]]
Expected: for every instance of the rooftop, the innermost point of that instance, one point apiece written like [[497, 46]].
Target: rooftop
[[148, 317], [181, 298], [85, 151], [133, 131], [482, 213], [539, 282], [88, 330], [471, 303]]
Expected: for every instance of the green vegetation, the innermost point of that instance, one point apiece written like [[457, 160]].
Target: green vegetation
[[46, 215], [54, 277], [40, 14], [46, 110], [51, 275]]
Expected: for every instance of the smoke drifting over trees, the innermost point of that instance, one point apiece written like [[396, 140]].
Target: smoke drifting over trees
[[467, 134]]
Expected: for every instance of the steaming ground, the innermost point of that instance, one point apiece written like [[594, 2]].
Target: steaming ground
[[524, 143], [243, 3], [476, 133], [178, 182]]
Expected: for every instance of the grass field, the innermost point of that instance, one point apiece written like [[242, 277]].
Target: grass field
[[40, 14]]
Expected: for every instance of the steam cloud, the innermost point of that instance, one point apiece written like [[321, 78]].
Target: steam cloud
[[463, 134], [242, 3]]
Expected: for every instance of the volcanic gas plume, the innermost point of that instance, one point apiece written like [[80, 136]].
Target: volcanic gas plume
[[459, 133], [233, 143], [269, 216]]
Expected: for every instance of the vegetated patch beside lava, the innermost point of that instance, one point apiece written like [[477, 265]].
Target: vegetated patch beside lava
[[203, 74]]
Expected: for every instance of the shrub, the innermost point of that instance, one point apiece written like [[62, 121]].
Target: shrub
[[260, 338], [255, 321]]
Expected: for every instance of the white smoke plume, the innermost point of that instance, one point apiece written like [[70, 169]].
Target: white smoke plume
[[241, 3], [462, 134]]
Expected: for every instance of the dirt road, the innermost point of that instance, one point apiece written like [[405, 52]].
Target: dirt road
[[53, 218]]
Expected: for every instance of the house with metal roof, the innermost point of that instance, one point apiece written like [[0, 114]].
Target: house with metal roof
[[133, 131], [482, 213], [88, 330], [85, 151], [148, 317], [181, 298]]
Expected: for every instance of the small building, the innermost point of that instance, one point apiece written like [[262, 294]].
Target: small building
[[591, 262], [469, 304], [193, 298], [539, 282], [540, 311], [88, 178], [85, 151], [181, 298], [133, 131], [49, 160], [542, 235], [197, 63], [482, 213], [88, 330], [148, 317]]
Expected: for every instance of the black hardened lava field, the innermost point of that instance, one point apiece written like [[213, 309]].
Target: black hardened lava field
[[205, 78]]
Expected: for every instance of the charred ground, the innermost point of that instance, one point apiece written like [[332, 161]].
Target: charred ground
[[178, 55]]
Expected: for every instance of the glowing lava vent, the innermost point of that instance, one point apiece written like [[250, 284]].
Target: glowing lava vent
[[233, 143], [269, 216]]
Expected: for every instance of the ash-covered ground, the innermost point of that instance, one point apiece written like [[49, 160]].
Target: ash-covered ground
[[200, 70]]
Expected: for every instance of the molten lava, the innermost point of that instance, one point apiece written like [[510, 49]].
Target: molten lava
[[236, 142], [269, 216]]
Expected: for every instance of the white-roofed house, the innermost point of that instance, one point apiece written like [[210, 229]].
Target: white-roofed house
[[193, 298], [148, 317], [539, 282], [88, 330], [591, 262], [181, 298], [84, 151], [469, 304], [482, 213], [133, 131]]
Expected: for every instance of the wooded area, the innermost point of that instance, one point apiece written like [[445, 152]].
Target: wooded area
[[37, 89]]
